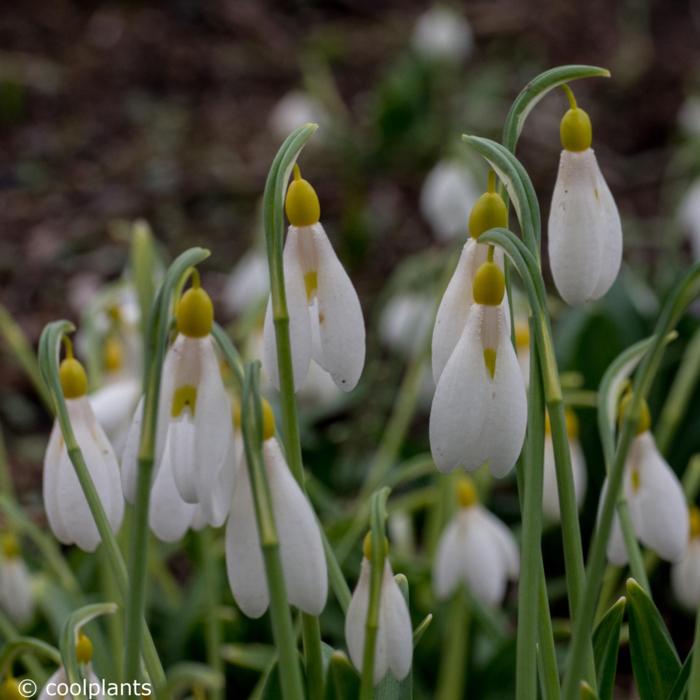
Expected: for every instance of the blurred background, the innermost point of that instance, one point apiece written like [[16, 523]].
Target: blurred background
[[172, 112]]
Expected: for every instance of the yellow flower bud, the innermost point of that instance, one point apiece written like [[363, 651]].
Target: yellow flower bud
[[367, 546], [466, 492], [644, 416], [83, 649], [488, 212], [73, 378], [575, 130], [489, 284], [195, 313], [302, 205]]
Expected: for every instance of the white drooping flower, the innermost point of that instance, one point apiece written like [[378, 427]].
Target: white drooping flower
[[67, 508], [477, 550], [293, 110], [300, 544], [443, 34], [550, 492], [689, 215], [479, 411], [447, 196], [685, 574], [59, 679], [394, 643], [16, 596], [194, 428], [405, 322], [325, 317], [585, 231], [248, 284], [657, 505]]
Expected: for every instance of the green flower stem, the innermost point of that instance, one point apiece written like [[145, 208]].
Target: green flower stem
[[10, 635], [155, 346], [143, 262], [48, 362], [7, 486], [280, 615], [679, 397], [694, 679], [25, 646], [455, 654], [530, 483], [549, 671], [683, 294], [377, 559], [212, 625]]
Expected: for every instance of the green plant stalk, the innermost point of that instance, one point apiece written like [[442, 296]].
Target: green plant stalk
[[377, 560], [6, 485], [142, 259], [48, 363], [455, 656], [212, 625], [531, 466], [280, 615], [273, 219], [636, 562], [684, 292], [549, 671], [155, 346], [681, 392], [694, 679]]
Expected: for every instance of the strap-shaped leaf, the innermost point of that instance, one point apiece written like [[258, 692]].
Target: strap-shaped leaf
[[654, 659], [342, 682], [680, 685], [606, 642]]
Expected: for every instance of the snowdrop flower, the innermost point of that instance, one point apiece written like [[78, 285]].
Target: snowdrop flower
[[325, 317], [293, 110], [476, 549], [585, 232], [248, 284], [443, 34], [59, 680], [66, 506], [394, 644], [405, 322], [689, 215], [301, 548], [479, 410], [488, 212], [657, 506], [16, 595], [685, 574], [550, 493], [446, 198]]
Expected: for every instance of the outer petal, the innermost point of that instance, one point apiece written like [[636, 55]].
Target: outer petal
[[341, 325], [303, 559], [395, 621], [297, 305], [52, 466], [169, 516], [16, 590], [685, 577], [58, 676], [356, 617], [550, 494], [659, 510], [447, 567], [216, 506], [113, 403], [475, 418], [502, 538], [244, 560], [577, 225]]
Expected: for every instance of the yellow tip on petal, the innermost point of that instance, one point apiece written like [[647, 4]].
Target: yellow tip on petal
[[575, 130], [466, 492], [10, 546], [83, 649], [73, 378], [195, 313], [644, 415], [694, 522], [488, 212], [268, 427], [367, 546], [302, 205], [489, 284]]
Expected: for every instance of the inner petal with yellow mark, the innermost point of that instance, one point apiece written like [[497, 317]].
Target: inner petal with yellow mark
[[490, 360], [184, 398], [311, 284]]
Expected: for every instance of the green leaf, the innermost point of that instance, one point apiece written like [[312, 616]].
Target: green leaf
[[188, 675], [536, 89], [342, 681], [256, 657], [587, 693], [25, 645], [654, 659], [681, 683], [606, 642]]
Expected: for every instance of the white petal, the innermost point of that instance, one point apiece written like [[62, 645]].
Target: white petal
[[356, 617], [52, 466], [113, 403], [58, 676], [577, 224], [216, 506], [244, 559], [342, 328], [169, 516], [659, 508], [301, 547], [502, 538], [248, 282], [395, 621], [16, 590], [685, 576], [182, 454], [475, 418], [297, 306], [550, 492], [447, 569]]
